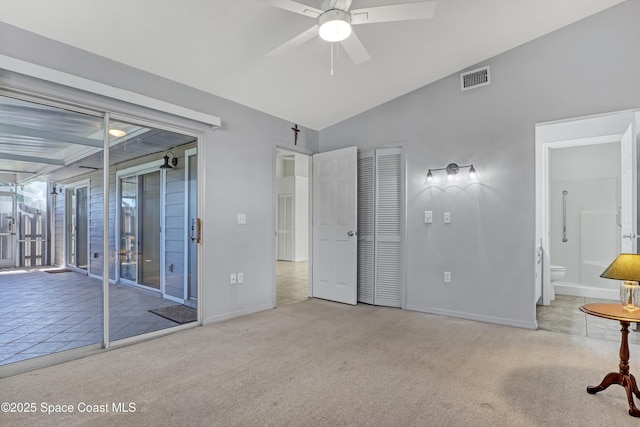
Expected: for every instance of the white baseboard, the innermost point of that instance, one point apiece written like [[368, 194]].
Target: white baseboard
[[233, 314], [477, 317]]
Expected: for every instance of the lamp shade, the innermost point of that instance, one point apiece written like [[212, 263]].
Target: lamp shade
[[624, 267]]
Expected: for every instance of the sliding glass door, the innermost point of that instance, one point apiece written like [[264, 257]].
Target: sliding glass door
[[140, 228], [112, 199]]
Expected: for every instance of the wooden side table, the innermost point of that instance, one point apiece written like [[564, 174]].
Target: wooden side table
[[622, 378]]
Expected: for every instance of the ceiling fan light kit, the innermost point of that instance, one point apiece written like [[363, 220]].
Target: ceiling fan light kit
[[335, 25], [335, 19]]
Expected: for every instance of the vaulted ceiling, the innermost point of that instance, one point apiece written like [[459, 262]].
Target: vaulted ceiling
[[221, 46]]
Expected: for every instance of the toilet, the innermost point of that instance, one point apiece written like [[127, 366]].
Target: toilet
[[556, 272]]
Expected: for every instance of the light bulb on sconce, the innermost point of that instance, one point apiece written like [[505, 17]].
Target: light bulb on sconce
[[473, 175], [429, 178]]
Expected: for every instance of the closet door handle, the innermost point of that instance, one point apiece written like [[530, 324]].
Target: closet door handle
[[352, 233]]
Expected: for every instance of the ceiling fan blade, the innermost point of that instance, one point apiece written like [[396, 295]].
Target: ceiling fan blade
[[395, 12], [355, 49], [298, 40], [339, 4], [295, 7]]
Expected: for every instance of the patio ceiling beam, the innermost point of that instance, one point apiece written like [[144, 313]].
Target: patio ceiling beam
[[32, 159], [17, 171], [50, 136]]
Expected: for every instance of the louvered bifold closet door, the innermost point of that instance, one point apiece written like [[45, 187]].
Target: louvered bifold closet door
[[366, 217], [388, 220], [285, 227]]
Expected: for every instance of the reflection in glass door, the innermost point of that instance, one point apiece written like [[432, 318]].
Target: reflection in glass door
[[7, 229], [77, 207], [140, 229], [150, 229]]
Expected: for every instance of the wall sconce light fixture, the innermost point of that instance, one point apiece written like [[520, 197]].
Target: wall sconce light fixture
[[174, 161], [55, 190], [452, 170]]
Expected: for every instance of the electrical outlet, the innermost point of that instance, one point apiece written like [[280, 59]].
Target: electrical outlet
[[240, 277], [232, 279], [447, 277], [447, 217]]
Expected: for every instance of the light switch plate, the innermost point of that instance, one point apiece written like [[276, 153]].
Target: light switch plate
[[447, 217], [428, 217], [242, 218]]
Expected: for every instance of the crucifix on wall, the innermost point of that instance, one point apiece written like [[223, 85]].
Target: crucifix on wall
[[295, 130]]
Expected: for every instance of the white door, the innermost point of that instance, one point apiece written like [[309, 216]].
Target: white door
[[388, 249], [626, 215], [334, 225], [380, 189], [366, 225]]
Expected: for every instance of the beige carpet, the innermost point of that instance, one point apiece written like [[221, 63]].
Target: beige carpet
[[318, 363]]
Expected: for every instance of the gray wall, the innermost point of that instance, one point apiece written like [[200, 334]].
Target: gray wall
[[238, 161], [587, 68]]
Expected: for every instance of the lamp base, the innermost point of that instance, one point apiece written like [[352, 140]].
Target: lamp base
[[630, 295]]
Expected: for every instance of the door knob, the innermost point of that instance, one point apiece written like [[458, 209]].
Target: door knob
[[350, 233]]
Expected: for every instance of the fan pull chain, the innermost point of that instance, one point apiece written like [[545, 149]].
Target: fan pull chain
[[332, 58]]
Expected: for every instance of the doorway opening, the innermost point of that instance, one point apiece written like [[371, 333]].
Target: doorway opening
[[586, 212], [292, 227]]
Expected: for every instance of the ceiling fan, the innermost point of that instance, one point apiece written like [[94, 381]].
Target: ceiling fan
[[335, 21]]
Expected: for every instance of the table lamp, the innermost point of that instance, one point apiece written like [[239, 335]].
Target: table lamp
[[626, 267]]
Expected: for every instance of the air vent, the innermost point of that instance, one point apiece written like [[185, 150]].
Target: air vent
[[475, 78]]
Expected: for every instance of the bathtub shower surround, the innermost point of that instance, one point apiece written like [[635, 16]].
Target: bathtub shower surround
[[585, 235]]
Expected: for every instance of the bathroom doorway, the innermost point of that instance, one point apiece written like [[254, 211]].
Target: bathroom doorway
[[585, 202]]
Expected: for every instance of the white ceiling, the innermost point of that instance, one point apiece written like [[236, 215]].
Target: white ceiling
[[221, 46]]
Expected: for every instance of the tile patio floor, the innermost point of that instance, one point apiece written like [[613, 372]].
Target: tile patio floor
[[43, 313]]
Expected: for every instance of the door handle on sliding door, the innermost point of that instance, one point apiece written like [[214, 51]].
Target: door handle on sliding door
[[199, 224]]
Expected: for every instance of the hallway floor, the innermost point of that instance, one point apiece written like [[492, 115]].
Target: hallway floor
[[43, 313], [564, 315], [292, 282]]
